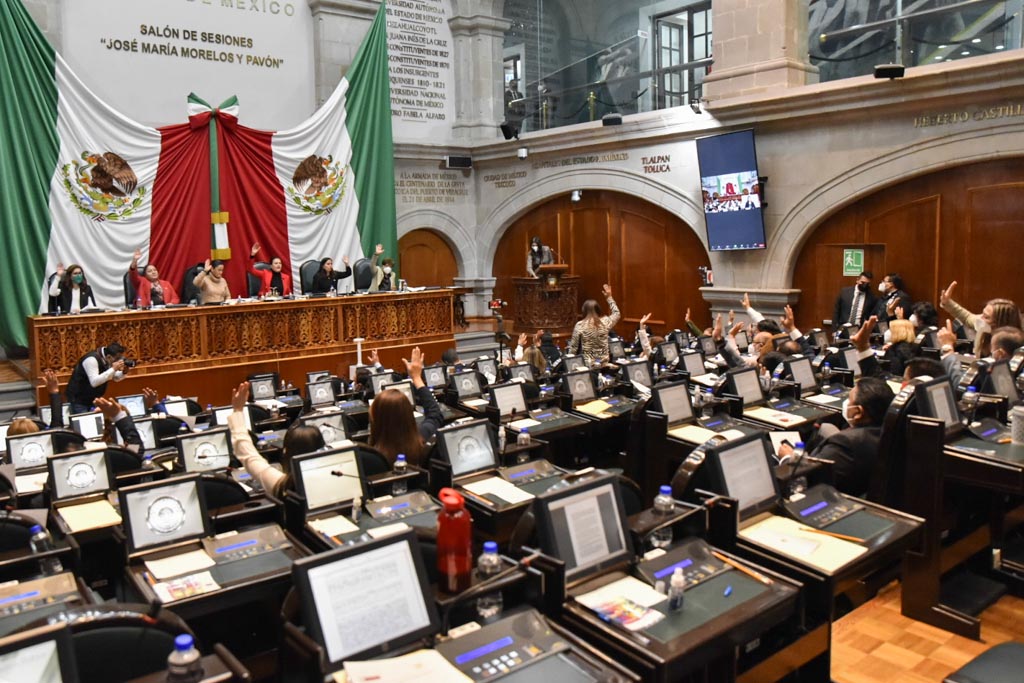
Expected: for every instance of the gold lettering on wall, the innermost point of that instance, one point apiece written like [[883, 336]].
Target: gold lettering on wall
[[947, 118]]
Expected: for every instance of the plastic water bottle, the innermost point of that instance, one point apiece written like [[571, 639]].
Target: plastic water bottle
[[501, 438], [40, 541], [664, 506], [332, 291], [147, 462], [826, 372], [709, 400], [523, 438], [774, 382], [184, 664], [676, 589], [454, 542], [970, 401], [400, 486], [797, 484], [489, 606]]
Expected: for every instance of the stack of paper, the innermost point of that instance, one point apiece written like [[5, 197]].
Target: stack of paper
[[422, 666], [791, 538]]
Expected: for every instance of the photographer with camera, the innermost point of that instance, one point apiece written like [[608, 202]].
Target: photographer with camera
[[92, 373]]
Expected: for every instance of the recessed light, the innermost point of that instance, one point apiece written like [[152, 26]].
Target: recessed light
[[943, 47], [966, 52], [1000, 47], [976, 40], [938, 58]]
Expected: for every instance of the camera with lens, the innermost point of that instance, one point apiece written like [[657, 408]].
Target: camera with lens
[[130, 362]]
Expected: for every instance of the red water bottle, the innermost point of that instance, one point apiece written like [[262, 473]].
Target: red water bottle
[[454, 542]]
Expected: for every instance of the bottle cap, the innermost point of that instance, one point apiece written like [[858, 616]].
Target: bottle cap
[[665, 490], [183, 642], [490, 547], [972, 388], [451, 499], [401, 456], [678, 580], [799, 444], [36, 528], [524, 430]]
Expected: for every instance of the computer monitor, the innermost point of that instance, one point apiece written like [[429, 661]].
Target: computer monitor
[[584, 525], [668, 352], [331, 425], [46, 414], [747, 385], [742, 341], [145, 427], [28, 451], [508, 398], [708, 346], [1000, 381], [317, 376], [935, 399], [488, 367], [681, 338], [802, 372], [79, 473], [366, 599], [89, 425], [638, 371], [206, 451], [573, 363], [328, 478], [405, 387], [320, 392], [819, 338], [850, 361], [523, 371], [468, 447], [164, 512], [580, 385], [467, 384], [742, 469], [434, 376], [616, 349], [673, 400], [262, 387], [380, 379], [693, 363], [177, 408], [40, 655], [134, 403], [221, 413]]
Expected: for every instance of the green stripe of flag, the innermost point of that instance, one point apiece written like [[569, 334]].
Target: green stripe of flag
[[28, 157], [368, 119]]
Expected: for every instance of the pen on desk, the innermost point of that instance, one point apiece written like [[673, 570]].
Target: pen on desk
[[842, 537], [739, 567], [1006, 440], [479, 499], [728, 591], [149, 578]]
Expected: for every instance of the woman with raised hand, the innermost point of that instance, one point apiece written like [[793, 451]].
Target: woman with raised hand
[[590, 335], [71, 289], [213, 288]]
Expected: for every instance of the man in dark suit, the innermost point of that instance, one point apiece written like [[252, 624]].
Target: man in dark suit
[[893, 297], [854, 303]]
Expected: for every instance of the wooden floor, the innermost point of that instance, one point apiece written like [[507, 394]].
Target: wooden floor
[[876, 644], [9, 372]]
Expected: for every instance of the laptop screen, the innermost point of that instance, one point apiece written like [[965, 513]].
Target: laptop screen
[[574, 363], [803, 374], [220, 416], [262, 388], [741, 340], [708, 346], [207, 451], [405, 387], [638, 371], [488, 367], [135, 404], [434, 376], [523, 371], [78, 474], [331, 425], [26, 451], [850, 360], [581, 385], [936, 400], [40, 655], [366, 599], [467, 384], [177, 408], [317, 376], [328, 478], [89, 425], [669, 351], [164, 512], [145, 428], [693, 363], [380, 379], [320, 393], [744, 472], [616, 349], [467, 447], [674, 401], [747, 385], [46, 414], [508, 398]]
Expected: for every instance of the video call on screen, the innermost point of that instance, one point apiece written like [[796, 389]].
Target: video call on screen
[[731, 191]]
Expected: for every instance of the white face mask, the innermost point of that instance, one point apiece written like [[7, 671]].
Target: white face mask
[[887, 337], [846, 411], [387, 270], [881, 287], [913, 320], [980, 326], [535, 248]]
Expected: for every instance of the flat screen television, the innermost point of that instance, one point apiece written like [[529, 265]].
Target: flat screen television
[[731, 191]]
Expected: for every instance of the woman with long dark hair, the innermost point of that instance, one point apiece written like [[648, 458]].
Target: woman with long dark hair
[[327, 277], [71, 289], [393, 427], [590, 335]]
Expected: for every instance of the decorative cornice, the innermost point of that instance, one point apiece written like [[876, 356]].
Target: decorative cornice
[[477, 24], [356, 9]]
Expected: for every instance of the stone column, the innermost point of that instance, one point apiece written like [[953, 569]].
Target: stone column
[[759, 45], [478, 32], [482, 292], [338, 30]]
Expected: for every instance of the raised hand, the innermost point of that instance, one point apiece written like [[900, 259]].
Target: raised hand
[[50, 381], [239, 397], [643, 320], [607, 291], [136, 256], [108, 407], [946, 334], [899, 313], [374, 357], [945, 296], [716, 331], [524, 340], [788, 321], [60, 269], [687, 318], [735, 328], [207, 265], [745, 301], [379, 250], [344, 259], [255, 249], [414, 367], [150, 398], [862, 336], [732, 317]]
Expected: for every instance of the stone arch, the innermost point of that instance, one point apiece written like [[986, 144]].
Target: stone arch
[[448, 229], [873, 175]]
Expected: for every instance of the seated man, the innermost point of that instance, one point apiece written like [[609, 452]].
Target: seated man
[[853, 450]]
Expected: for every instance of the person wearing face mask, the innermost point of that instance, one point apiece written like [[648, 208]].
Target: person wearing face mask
[[854, 450], [854, 303], [150, 290], [385, 279], [71, 289], [92, 373], [893, 297], [327, 277], [997, 313], [901, 347], [275, 278], [538, 256], [923, 314], [213, 288]]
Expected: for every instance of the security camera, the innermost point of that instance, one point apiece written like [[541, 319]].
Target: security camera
[[522, 152]]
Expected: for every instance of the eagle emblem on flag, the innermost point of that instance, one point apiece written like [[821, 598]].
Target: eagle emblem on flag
[[102, 186], [318, 184]]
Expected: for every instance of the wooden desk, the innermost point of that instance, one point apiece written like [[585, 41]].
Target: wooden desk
[[540, 306], [203, 351]]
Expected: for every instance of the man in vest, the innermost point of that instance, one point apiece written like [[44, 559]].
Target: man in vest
[[91, 375]]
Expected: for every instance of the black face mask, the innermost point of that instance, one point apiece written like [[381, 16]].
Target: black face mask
[[863, 286]]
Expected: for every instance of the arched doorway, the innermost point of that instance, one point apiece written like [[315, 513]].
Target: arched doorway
[[648, 256], [958, 224], [426, 259]]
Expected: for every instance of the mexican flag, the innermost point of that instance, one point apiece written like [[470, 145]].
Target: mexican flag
[[83, 184]]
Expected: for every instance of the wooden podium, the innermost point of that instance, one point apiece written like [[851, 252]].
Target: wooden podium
[[548, 302]]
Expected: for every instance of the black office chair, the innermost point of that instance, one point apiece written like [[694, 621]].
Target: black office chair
[[52, 305], [362, 274], [130, 294], [188, 290], [167, 428], [371, 461], [1000, 664], [122, 459], [254, 282], [221, 491], [65, 440], [15, 531], [306, 272], [119, 641]]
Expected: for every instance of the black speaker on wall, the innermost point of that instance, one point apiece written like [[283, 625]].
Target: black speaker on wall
[[453, 161]]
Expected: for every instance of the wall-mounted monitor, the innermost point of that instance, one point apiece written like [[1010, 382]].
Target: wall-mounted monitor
[[731, 191]]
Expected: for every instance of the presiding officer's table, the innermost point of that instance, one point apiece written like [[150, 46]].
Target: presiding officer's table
[[202, 351]]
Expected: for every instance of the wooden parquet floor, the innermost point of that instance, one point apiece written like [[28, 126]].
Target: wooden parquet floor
[[877, 644]]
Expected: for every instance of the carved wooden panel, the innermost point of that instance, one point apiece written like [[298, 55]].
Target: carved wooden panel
[[553, 309]]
